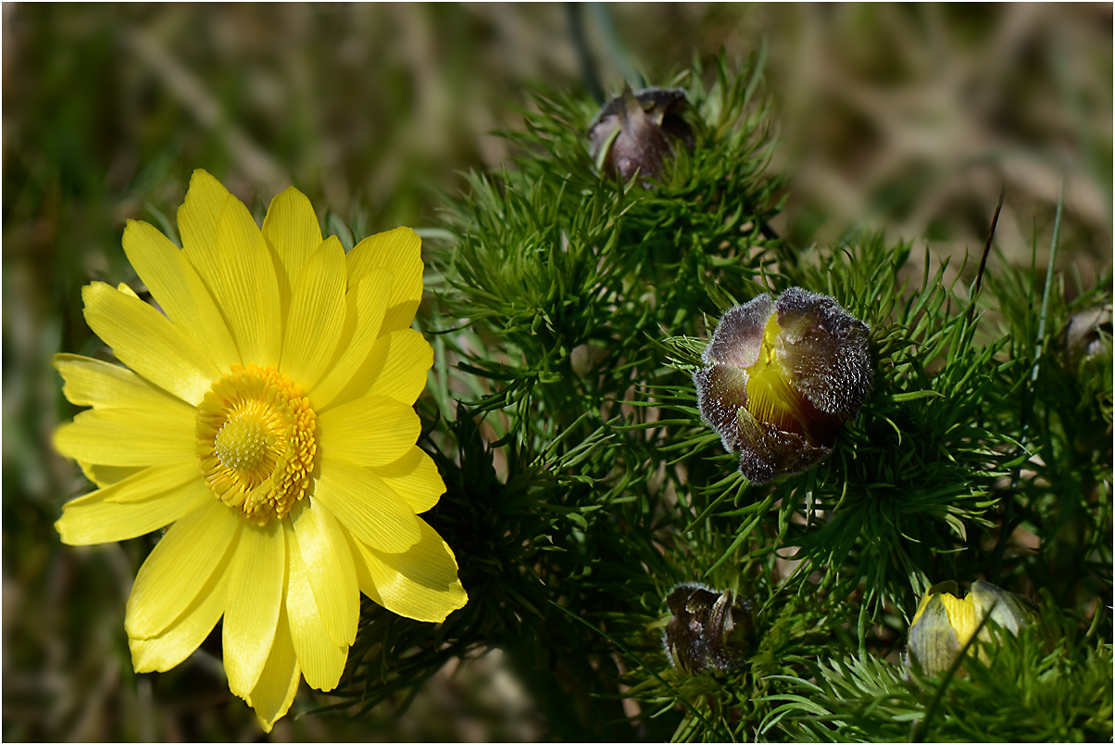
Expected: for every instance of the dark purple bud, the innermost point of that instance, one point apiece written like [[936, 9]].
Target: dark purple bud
[[708, 629], [782, 377], [636, 132]]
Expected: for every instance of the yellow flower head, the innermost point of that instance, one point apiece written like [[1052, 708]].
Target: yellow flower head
[[267, 413], [944, 623]]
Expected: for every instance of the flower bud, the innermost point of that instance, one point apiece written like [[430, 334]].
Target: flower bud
[[782, 378], [708, 629], [944, 623], [633, 132], [1087, 335]]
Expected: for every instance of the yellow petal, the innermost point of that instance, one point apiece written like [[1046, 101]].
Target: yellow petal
[[291, 229], [246, 287], [179, 291], [322, 660], [197, 223], [104, 476], [400, 252], [274, 693], [366, 506], [415, 478], [179, 640], [364, 306], [407, 359], [931, 640], [90, 382], [962, 616], [421, 583], [331, 572], [369, 431], [195, 547], [144, 502], [254, 600], [127, 437], [396, 368], [317, 315], [144, 340]]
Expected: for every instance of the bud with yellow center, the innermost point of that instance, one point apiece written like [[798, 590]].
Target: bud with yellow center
[[944, 623], [782, 377]]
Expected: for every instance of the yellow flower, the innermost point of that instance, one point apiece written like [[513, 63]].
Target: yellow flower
[[944, 623], [268, 416]]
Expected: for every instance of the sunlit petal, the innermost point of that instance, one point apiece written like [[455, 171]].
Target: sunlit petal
[[127, 437], [370, 431], [144, 340], [291, 229], [317, 315], [185, 559], [90, 382], [396, 368], [322, 659], [254, 601], [197, 222], [415, 478], [278, 681], [364, 307], [399, 251], [178, 641], [179, 291], [137, 505], [367, 507], [247, 288], [330, 571], [420, 583]]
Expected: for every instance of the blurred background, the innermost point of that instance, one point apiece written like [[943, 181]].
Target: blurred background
[[900, 118]]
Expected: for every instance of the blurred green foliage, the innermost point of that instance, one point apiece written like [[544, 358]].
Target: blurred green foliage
[[893, 118]]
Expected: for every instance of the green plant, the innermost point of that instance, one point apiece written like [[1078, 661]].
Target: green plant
[[572, 310]]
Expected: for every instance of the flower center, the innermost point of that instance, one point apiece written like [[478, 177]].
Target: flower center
[[255, 442], [770, 398]]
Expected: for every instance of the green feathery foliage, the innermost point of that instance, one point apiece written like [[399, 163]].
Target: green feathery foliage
[[571, 312]]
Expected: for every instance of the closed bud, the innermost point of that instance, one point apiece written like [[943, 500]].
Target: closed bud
[[1088, 335], [708, 629], [944, 623], [637, 132], [782, 377]]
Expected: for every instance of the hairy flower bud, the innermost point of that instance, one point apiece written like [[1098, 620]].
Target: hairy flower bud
[[635, 131], [782, 378], [944, 623], [1088, 335], [708, 629]]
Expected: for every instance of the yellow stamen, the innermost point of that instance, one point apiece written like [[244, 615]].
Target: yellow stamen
[[770, 398], [255, 442]]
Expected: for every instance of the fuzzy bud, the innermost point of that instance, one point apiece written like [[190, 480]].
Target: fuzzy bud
[[782, 377], [708, 629], [636, 132], [1087, 335], [944, 623]]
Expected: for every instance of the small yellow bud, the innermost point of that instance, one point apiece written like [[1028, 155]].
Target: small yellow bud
[[944, 623]]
